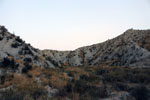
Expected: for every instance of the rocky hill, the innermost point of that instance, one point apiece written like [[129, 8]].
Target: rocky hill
[[131, 49], [112, 70], [14, 47]]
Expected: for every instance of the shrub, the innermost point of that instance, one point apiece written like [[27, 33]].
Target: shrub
[[80, 86], [26, 68], [120, 86], [2, 79], [26, 50], [69, 88], [9, 62], [15, 45], [84, 77], [70, 74], [143, 78], [115, 75], [18, 39], [28, 60], [93, 91], [1, 38], [140, 93], [3, 29], [57, 82], [90, 78], [36, 58], [11, 95], [99, 91], [28, 87], [101, 72], [66, 90]]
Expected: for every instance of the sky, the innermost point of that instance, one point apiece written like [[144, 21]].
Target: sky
[[70, 24]]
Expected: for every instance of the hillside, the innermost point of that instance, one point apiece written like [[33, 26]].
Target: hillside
[[132, 48], [129, 49], [117, 69]]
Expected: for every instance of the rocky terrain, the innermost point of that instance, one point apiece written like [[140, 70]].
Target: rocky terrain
[[132, 48], [117, 69]]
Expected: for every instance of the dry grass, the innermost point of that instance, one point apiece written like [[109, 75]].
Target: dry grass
[[57, 82], [75, 96], [76, 72], [56, 78], [35, 72], [78, 82]]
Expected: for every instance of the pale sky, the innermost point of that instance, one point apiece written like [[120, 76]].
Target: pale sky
[[69, 24]]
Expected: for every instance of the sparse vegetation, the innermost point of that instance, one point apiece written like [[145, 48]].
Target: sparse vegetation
[[80, 82], [9, 62], [15, 45], [99, 70], [18, 39], [1, 38]]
